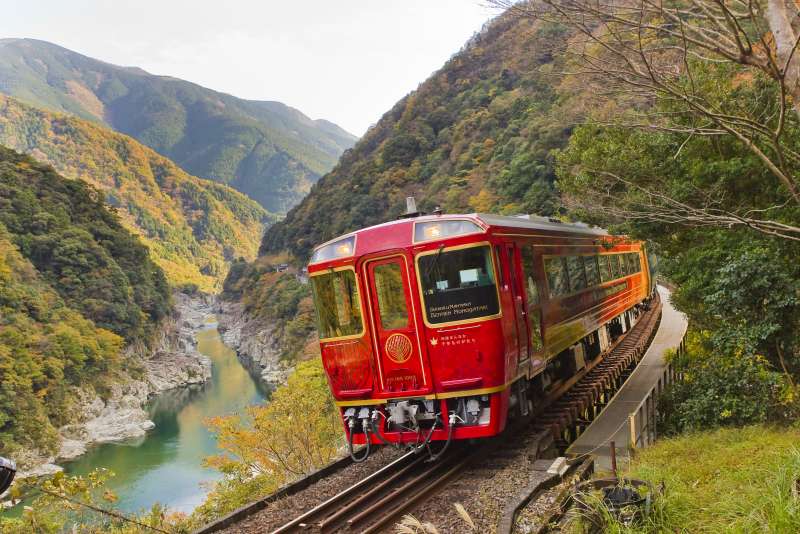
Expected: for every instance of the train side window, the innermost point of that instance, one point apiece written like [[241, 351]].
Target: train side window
[[577, 276], [530, 278], [606, 274], [535, 322], [630, 264], [592, 270], [616, 266], [557, 279], [534, 319], [638, 263]]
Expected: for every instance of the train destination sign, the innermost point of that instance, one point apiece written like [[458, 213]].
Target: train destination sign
[[458, 285]]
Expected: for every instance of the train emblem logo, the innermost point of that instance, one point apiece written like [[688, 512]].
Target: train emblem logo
[[398, 348]]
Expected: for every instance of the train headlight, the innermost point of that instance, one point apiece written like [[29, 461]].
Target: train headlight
[[343, 248], [430, 230]]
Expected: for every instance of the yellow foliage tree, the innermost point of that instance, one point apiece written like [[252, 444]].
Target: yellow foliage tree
[[483, 202], [297, 432]]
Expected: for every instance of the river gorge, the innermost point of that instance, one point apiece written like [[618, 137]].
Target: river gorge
[[153, 433], [166, 465]]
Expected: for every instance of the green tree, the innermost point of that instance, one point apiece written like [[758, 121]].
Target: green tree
[[737, 284], [80, 247]]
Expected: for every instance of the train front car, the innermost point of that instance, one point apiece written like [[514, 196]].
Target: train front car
[[435, 328]]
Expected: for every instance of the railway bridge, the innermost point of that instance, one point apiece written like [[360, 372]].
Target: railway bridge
[[629, 419]]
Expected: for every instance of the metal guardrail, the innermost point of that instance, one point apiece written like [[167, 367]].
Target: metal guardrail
[[643, 420]]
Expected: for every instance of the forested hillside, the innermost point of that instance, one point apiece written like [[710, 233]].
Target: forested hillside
[[276, 299], [477, 135], [267, 150], [75, 285], [192, 226]]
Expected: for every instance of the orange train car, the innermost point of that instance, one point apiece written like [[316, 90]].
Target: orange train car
[[441, 327]]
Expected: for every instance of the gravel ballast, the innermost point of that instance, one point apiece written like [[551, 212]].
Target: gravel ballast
[[285, 509]]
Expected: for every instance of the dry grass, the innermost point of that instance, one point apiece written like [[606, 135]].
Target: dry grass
[[411, 525]]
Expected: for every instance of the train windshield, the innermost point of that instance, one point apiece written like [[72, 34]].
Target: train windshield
[[337, 303], [458, 285]]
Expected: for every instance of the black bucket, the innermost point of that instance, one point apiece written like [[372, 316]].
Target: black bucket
[[627, 500], [618, 497]]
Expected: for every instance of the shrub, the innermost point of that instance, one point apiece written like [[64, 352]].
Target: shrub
[[723, 389]]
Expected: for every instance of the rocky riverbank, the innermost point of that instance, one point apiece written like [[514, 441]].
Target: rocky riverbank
[[174, 363], [255, 343]]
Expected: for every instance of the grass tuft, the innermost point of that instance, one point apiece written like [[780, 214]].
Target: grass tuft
[[411, 525], [722, 481], [463, 514]]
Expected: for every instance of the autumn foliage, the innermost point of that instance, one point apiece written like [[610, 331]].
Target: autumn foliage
[[297, 432]]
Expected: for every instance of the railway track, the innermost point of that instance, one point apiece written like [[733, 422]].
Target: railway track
[[374, 502], [571, 412]]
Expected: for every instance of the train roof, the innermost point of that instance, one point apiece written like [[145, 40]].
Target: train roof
[[535, 222], [371, 239], [528, 222]]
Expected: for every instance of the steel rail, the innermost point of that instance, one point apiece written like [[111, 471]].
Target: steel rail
[[413, 499], [371, 510], [296, 522], [363, 498]]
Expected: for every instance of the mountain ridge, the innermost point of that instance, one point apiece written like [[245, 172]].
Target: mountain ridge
[[265, 149], [76, 288], [192, 226]]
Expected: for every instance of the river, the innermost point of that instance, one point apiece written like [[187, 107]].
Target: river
[[166, 466]]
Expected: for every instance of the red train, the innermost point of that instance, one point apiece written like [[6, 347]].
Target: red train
[[440, 327]]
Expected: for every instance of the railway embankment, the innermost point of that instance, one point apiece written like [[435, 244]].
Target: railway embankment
[[725, 480], [744, 479]]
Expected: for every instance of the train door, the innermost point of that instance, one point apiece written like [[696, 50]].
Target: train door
[[533, 303], [523, 336], [509, 321], [401, 364]]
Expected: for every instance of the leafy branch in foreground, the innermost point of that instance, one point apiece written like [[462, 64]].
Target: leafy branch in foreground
[[86, 504], [653, 206], [297, 431]]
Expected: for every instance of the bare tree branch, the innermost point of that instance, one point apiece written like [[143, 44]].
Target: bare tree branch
[[654, 206], [649, 49]]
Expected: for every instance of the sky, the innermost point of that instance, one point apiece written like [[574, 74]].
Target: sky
[[347, 61]]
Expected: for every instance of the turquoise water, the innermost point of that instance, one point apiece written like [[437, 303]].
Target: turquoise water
[[166, 465]]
